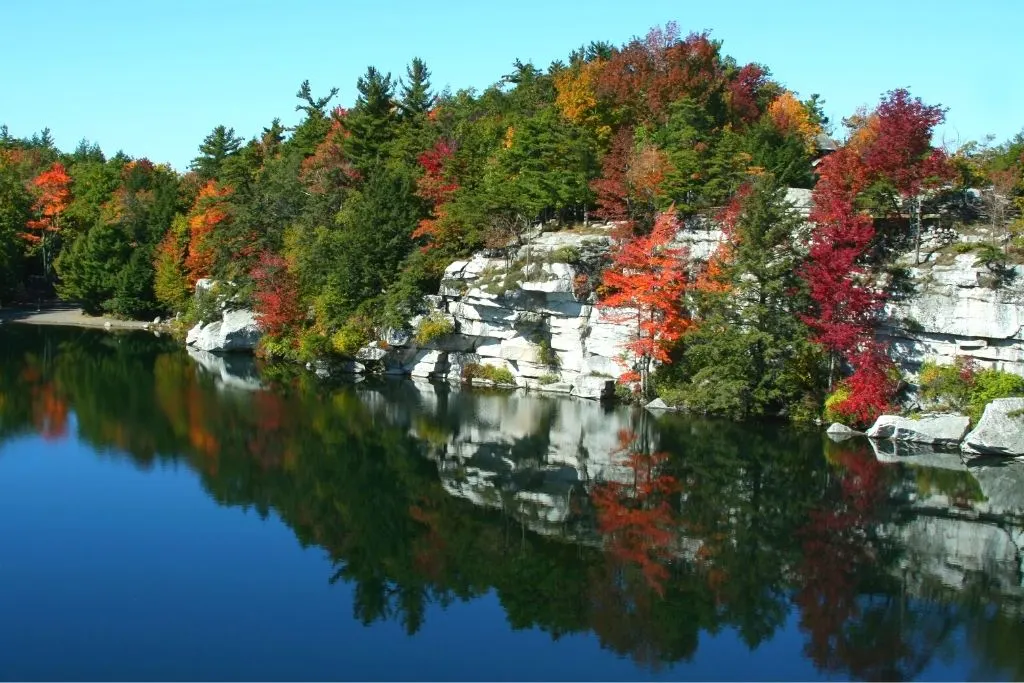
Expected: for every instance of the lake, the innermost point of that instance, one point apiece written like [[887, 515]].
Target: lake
[[174, 516]]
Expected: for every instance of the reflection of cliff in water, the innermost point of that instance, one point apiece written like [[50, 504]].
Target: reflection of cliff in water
[[645, 531]]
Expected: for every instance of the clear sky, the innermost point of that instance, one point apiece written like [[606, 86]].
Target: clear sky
[[154, 77]]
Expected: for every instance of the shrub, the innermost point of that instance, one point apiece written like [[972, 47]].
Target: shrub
[[548, 379], [489, 372], [353, 335], [566, 254], [834, 403], [432, 327], [547, 355], [962, 387]]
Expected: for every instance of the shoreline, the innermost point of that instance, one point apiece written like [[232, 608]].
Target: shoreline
[[72, 316]]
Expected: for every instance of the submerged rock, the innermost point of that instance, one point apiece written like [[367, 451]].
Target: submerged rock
[[1000, 431], [935, 430]]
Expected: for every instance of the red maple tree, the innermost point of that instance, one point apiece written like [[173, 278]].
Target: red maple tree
[[276, 296], [644, 286]]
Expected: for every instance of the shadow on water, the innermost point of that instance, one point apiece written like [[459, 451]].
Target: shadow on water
[[646, 531]]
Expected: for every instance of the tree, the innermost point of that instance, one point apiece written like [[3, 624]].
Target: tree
[[15, 212], [276, 297], [646, 282], [209, 211], [416, 98], [170, 280], [372, 119], [748, 353], [217, 147], [52, 189]]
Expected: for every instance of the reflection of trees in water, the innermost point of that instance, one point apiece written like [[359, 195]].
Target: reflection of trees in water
[[723, 526]]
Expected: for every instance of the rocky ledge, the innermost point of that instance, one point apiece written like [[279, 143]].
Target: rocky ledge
[[999, 433]]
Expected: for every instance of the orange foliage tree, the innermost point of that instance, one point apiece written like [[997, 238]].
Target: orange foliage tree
[[209, 211], [52, 189], [645, 285]]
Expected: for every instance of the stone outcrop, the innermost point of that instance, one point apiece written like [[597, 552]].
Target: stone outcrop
[[935, 430], [959, 309], [237, 330], [530, 313], [1000, 430]]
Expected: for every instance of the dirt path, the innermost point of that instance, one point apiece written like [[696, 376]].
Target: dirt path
[[69, 315]]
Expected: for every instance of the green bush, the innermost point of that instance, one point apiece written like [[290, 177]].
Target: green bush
[[489, 372], [566, 254], [548, 379], [432, 327], [964, 388]]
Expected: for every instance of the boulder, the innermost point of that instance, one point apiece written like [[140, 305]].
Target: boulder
[[657, 405], [838, 432], [1000, 430], [590, 386], [1002, 486], [935, 430], [237, 330], [371, 353]]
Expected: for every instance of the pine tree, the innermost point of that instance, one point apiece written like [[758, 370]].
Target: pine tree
[[217, 147], [415, 88]]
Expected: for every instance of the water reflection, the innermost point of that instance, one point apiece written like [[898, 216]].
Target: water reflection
[[581, 518]]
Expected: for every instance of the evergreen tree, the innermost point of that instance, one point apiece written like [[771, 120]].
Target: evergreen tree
[[217, 147], [749, 354], [416, 97], [372, 120]]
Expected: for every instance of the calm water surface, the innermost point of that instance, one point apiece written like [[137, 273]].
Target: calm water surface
[[167, 516]]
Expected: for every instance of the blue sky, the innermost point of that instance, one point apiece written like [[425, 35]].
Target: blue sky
[[152, 78]]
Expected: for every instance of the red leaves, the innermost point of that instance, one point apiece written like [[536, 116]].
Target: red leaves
[[436, 187], [892, 145], [648, 279], [276, 296], [901, 148], [872, 387]]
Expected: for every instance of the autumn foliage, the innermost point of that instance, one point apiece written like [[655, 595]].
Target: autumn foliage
[[209, 211], [276, 296], [644, 286], [891, 146]]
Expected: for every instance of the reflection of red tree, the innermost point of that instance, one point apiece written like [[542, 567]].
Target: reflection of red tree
[[836, 548], [49, 408], [636, 519]]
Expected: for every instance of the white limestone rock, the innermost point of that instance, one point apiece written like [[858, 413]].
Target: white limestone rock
[[589, 386], [936, 430], [238, 330], [429, 363], [1000, 430]]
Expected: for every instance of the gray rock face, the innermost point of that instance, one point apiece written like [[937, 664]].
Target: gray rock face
[[958, 311], [936, 430], [1000, 430], [236, 331]]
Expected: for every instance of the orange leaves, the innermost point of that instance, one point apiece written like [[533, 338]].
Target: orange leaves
[[52, 189], [209, 210], [647, 169], [791, 117]]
